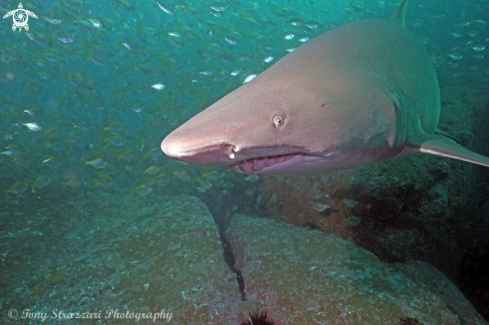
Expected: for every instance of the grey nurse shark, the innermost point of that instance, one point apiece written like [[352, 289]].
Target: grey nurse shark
[[360, 94]]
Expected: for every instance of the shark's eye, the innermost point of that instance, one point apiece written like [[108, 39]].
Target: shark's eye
[[278, 121]]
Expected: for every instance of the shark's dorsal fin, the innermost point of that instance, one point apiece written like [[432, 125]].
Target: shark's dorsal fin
[[400, 14]]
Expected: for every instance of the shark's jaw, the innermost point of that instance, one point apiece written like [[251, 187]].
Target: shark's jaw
[[287, 163], [227, 156], [268, 163], [247, 159]]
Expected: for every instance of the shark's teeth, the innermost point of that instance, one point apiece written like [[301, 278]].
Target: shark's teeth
[[259, 164], [269, 161], [253, 165]]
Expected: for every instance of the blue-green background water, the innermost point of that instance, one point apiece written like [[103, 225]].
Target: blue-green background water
[[87, 73], [82, 105], [93, 97]]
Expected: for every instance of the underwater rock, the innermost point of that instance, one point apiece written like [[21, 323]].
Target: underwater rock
[[190, 275], [248, 308], [161, 255], [305, 276]]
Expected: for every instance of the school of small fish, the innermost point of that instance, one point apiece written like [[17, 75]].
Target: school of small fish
[[90, 90]]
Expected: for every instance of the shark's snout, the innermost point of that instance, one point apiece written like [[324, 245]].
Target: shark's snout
[[197, 151], [171, 148]]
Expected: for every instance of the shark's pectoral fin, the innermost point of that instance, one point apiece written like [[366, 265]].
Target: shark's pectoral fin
[[439, 145]]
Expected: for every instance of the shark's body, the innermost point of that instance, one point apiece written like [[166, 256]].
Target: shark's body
[[359, 94]]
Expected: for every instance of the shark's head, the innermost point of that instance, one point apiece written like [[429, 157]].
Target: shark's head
[[267, 127], [344, 99], [308, 111]]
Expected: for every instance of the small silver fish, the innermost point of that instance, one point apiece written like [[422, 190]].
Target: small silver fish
[[231, 40], [158, 86], [53, 20], [131, 46], [97, 163], [165, 8], [96, 23], [33, 126], [10, 153], [65, 38], [174, 34], [289, 36], [249, 78], [207, 72]]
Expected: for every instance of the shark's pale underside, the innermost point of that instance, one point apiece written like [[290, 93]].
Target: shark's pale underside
[[359, 94]]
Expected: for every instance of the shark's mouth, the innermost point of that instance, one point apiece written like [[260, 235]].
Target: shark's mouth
[[254, 165]]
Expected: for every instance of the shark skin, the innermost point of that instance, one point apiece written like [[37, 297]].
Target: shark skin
[[362, 93]]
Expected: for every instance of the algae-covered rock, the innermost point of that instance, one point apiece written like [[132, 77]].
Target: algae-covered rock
[[188, 271], [305, 276], [164, 255]]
